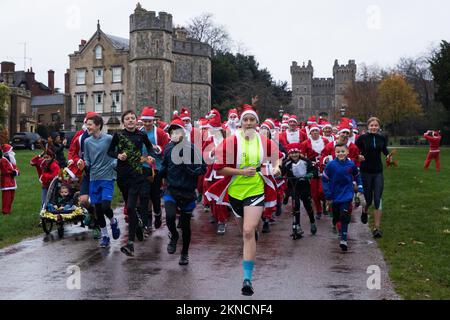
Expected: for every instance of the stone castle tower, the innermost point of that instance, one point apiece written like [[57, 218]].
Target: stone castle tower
[[320, 96], [167, 70]]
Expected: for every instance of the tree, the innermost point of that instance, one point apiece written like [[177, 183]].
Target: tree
[[397, 102], [204, 29], [5, 93], [440, 68]]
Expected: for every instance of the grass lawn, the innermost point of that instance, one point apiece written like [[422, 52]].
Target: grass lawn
[[24, 220], [416, 225]]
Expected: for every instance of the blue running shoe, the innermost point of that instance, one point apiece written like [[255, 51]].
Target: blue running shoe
[[105, 242], [115, 229]]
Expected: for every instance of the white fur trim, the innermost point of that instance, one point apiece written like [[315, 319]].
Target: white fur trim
[[250, 112]]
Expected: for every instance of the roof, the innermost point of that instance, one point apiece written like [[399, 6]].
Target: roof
[[56, 99], [118, 42]]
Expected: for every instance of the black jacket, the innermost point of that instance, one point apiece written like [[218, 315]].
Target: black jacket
[[371, 147]]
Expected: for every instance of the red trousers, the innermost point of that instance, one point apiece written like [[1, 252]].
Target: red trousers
[[317, 194], [433, 156], [220, 212], [7, 201]]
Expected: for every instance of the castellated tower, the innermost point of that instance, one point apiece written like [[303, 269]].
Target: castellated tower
[[302, 80], [150, 61], [343, 75]]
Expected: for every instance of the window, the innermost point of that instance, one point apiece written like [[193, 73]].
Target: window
[[81, 107], [117, 74], [301, 103], [81, 77], [117, 100], [98, 76], [55, 117], [98, 102], [156, 74], [23, 107], [98, 52], [323, 103], [157, 96], [40, 118]]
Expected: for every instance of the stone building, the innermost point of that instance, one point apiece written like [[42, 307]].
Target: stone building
[[319, 96], [159, 66], [51, 110]]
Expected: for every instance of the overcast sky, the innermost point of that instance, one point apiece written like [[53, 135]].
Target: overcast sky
[[276, 32]]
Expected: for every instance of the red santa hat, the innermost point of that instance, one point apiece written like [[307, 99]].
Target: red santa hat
[[90, 115], [286, 117], [203, 123], [277, 124], [185, 114], [327, 125], [313, 127], [344, 127], [269, 124], [293, 147], [6, 148], [148, 114], [233, 112], [248, 109], [177, 123], [312, 120], [293, 118], [214, 119], [355, 131]]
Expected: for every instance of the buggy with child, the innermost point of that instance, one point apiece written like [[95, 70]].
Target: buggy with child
[[61, 206]]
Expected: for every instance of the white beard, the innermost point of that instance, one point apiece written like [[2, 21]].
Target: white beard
[[188, 127], [318, 145], [12, 157]]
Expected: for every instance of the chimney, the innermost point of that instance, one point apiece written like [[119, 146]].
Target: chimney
[[82, 45], [8, 67], [29, 78], [67, 82], [51, 80]]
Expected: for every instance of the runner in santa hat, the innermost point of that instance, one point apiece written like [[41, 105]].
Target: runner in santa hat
[[249, 162], [216, 137], [434, 138], [293, 134], [75, 169], [203, 126], [286, 117], [233, 122], [9, 172], [353, 131], [305, 130], [312, 149], [327, 131], [193, 134], [268, 130], [159, 140], [284, 126]]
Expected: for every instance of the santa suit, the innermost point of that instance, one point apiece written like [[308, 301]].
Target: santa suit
[[288, 137], [312, 150], [8, 184], [353, 138], [229, 154], [329, 154], [219, 212], [75, 154], [435, 151], [46, 173], [331, 138]]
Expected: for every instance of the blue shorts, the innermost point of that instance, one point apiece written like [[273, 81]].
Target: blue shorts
[[102, 190], [85, 182], [190, 207]]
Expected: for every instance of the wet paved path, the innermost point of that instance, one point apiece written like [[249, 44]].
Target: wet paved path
[[310, 268]]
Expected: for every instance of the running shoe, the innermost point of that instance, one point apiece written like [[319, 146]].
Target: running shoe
[[364, 217], [115, 229], [172, 246], [344, 246], [313, 229], [147, 232], [105, 242], [221, 228], [128, 250], [207, 208], [158, 221], [184, 260], [247, 288], [266, 227], [377, 234], [139, 233]]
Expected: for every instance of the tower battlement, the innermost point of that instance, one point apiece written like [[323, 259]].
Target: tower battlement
[[142, 19]]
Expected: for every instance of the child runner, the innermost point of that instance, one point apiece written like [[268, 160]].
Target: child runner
[[126, 146], [434, 138], [9, 172], [47, 169], [101, 169], [181, 166], [246, 161], [338, 180], [299, 170]]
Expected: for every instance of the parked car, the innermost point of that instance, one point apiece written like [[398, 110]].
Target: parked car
[[27, 140], [68, 135]]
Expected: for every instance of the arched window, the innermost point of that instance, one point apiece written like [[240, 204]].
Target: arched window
[[98, 52]]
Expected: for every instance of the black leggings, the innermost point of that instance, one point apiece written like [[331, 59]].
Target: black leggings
[[306, 199], [131, 192], [155, 195], [103, 209], [373, 189], [185, 220]]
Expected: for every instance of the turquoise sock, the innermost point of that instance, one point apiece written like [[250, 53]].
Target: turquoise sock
[[248, 269]]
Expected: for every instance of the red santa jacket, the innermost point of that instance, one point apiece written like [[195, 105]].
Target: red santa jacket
[[313, 150], [229, 155], [328, 153], [435, 143], [8, 172], [161, 139], [46, 172], [286, 138], [208, 151]]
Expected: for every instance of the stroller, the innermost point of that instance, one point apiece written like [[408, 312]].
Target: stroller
[[75, 215]]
